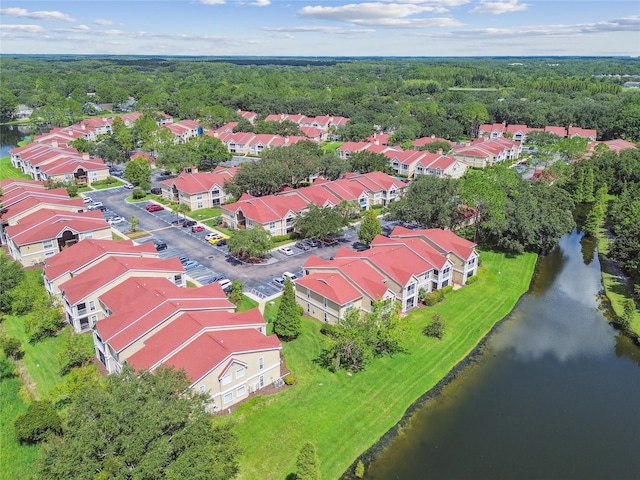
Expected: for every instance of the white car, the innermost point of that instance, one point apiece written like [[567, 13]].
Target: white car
[[95, 206], [87, 199], [116, 220], [128, 186], [226, 284], [286, 250], [212, 236]]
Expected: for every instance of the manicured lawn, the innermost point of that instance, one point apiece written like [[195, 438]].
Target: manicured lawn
[[85, 189], [15, 460], [246, 304], [616, 291], [115, 236], [8, 171], [270, 313], [138, 234], [331, 147], [205, 213], [102, 186], [324, 406]]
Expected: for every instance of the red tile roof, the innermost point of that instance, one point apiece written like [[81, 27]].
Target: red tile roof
[[332, 286], [140, 305], [445, 239], [34, 203], [193, 183], [89, 251], [46, 224], [209, 350], [114, 270]]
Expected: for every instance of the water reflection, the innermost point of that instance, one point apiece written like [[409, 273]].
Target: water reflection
[[553, 396]]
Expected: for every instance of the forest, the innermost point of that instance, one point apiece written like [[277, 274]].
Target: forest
[[445, 97]]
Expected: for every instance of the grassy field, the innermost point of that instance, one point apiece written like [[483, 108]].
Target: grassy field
[[615, 290], [331, 147], [7, 171], [15, 460], [247, 304], [323, 406], [205, 213]]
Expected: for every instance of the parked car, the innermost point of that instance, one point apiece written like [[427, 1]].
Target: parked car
[[211, 236], [215, 278], [286, 250], [183, 259], [87, 199], [214, 241], [290, 276], [189, 223], [128, 186], [311, 242], [279, 281], [303, 246], [95, 206], [160, 246], [154, 207], [190, 265], [156, 191], [222, 242], [359, 246], [102, 208], [116, 220], [197, 228], [226, 284]]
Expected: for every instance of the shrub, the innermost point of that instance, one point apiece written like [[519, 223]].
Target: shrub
[[328, 330], [436, 328], [280, 238], [38, 422], [446, 290], [290, 379], [138, 193], [12, 347], [471, 280], [7, 368], [359, 471], [430, 299]]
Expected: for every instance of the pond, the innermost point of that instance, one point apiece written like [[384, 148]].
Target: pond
[[554, 394]]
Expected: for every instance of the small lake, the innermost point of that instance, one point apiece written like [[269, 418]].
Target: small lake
[[554, 394], [10, 135]]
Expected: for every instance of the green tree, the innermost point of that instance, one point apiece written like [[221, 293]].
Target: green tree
[[11, 274], [123, 136], [365, 162], [155, 427], [143, 129], [589, 186], [369, 227], [11, 347], [596, 216], [210, 151], [579, 189], [76, 353], [138, 172], [27, 294], [38, 422], [250, 243], [8, 105], [133, 220], [288, 324], [237, 289], [308, 463], [320, 223], [44, 320]]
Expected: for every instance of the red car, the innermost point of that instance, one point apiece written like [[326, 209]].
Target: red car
[[154, 207], [197, 228]]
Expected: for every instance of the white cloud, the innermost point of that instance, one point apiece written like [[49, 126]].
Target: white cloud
[[81, 28], [39, 15], [286, 36], [378, 14], [319, 29], [260, 3], [498, 8], [22, 28], [102, 21], [213, 2]]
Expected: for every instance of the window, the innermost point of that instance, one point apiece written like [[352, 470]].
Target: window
[[92, 305], [272, 225], [94, 319], [226, 380], [82, 307], [240, 372], [199, 205], [241, 391], [88, 235], [178, 279], [308, 293], [445, 272], [201, 389], [227, 397], [325, 302], [308, 308], [411, 289], [47, 244], [260, 363], [326, 317], [261, 381], [249, 223], [199, 196], [49, 254]]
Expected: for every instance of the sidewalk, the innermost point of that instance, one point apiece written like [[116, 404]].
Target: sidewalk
[[262, 302]]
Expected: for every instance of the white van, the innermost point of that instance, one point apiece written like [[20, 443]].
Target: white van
[[290, 276]]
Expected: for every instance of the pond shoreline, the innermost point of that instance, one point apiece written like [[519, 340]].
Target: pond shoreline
[[383, 442]]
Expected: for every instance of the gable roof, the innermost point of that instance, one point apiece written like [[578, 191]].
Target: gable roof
[[330, 285], [91, 250], [113, 268], [444, 239], [193, 183], [46, 224]]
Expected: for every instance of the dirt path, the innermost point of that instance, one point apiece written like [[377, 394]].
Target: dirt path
[[26, 380]]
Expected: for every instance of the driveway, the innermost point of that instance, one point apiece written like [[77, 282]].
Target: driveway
[[213, 260]]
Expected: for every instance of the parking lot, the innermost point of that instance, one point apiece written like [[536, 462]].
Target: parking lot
[[212, 261]]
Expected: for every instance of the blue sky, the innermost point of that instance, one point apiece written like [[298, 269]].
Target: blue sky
[[321, 28]]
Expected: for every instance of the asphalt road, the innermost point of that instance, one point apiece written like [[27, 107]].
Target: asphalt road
[[213, 260]]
